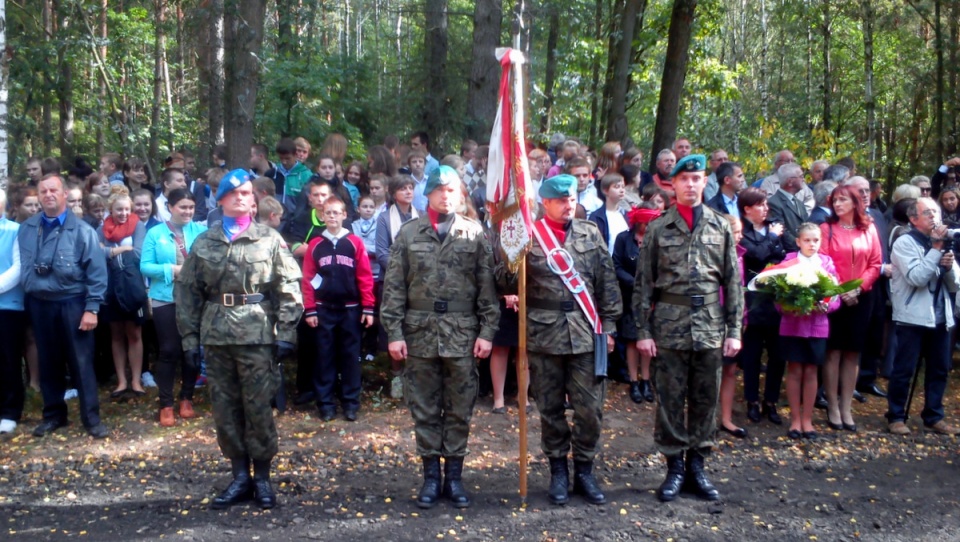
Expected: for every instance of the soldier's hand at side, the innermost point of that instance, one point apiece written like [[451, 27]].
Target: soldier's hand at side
[[367, 320], [731, 347], [398, 350], [311, 321], [88, 321], [482, 348], [647, 347]]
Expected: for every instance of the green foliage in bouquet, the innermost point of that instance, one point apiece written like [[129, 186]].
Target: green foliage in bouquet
[[799, 293]]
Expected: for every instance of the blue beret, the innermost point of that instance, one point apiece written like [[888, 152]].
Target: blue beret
[[690, 162], [442, 176], [233, 180], [559, 186]]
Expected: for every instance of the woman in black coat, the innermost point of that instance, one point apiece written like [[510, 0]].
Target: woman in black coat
[[762, 242]]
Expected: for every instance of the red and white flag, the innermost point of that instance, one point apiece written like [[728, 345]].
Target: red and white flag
[[508, 176]]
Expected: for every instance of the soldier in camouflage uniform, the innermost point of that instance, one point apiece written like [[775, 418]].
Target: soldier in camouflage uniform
[[687, 259], [238, 295], [440, 312], [560, 341]]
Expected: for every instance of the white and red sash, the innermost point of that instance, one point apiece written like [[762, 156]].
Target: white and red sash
[[560, 263]]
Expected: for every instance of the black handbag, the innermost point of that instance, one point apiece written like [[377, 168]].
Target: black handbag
[[126, 282]]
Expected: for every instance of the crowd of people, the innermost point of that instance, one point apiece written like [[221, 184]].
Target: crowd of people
[[114, 268]]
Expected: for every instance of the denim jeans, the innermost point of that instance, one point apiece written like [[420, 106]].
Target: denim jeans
[[933, 344]]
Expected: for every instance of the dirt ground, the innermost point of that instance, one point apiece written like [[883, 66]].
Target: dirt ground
[[357, 481]]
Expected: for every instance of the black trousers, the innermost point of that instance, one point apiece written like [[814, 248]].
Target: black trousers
[[12, 329], [757, 337], [171, 356], [56, 326], [338, 336]]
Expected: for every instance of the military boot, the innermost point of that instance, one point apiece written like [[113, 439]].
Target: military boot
[[670, 487], [584, 483], [559, 481], [430, 491], [263, 491], [697, 478], [239, 490], [452, 485]]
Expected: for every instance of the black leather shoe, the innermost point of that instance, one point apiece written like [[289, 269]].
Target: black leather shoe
[[263, 494], [585, 483], [859, 396], [872, 389], [753, 412], [240, 490], [821, 401], [794, 434], [327, 414], [350, 415], [430, 490], [670, 487], [48, 426], [305, 399], [635, 394], [770, 412], [697, 478], [738, 432], [559, 481], [98, 431], [647, 390], [810, 435], [834, 426], [452, 484], [852, 427]]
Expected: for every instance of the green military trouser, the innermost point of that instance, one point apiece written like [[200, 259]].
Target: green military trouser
[[552, 378], [243, 380], [441, 393], [686, 380]]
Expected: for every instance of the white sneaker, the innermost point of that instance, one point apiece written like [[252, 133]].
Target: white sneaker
[[396, 388], [147, 380], [71, 394], [370, 358], [7, 426]]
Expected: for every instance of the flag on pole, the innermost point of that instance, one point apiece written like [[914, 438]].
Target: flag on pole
[[508, 176]]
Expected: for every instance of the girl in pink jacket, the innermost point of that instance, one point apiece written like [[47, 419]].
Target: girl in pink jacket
[[803, 339]]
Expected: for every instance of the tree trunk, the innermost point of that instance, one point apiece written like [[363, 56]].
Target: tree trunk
[[243, 37], [484, 73], [65, 82], [938, 31], [953, 92], [869, 104], [551, 69], [102, 85], [827, 83], [621, 52], [434, 113], [595, 75], [215, 71], [674, 73], [287, 49], [158, 45], [763, 85], [46, 115]]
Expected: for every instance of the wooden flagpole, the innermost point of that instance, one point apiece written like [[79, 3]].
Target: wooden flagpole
[[522, 295]]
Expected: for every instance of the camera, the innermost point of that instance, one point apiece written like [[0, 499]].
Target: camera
[[42, 269]]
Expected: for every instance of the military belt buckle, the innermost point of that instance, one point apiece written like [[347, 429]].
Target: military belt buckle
[[228, 300], [440, 306], [566, 306], [696, 301]]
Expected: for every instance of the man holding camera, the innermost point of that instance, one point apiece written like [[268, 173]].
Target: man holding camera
[[925, 278], [64, 279]]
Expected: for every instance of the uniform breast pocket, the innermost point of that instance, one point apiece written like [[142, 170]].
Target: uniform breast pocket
[[258, 266], [586, 253], [672, 251]]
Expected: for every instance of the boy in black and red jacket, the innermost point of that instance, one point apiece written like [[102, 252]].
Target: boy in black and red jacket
[[337, 299]]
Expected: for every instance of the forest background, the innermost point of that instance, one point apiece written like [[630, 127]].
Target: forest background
[[874, 79]]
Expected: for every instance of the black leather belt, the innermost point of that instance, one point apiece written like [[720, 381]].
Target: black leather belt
[[552, 305], [230, 300], [689, 300], [440, 306]]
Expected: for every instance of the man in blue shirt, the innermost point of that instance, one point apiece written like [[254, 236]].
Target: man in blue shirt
[[64, 278], [731, 180]]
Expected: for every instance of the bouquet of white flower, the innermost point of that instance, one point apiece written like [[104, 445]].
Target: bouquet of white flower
[[799, 287]]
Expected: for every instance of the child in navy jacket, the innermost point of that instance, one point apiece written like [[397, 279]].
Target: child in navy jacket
[[337, 298]]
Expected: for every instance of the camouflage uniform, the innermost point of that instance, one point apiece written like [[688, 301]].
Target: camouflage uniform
[[238, 340], [677, 263], [425, 276], [560, 342]]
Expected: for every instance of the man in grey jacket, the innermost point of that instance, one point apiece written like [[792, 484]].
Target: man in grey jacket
[[64, 276], [925, 278]]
